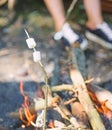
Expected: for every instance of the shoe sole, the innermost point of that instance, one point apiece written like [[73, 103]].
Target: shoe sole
[[98, 40]]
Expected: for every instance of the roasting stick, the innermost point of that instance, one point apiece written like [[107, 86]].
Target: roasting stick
[[70, 9], [37, 58]]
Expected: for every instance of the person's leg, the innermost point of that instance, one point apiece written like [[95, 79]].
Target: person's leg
[[63, 29], [93, 11], [56, 9], [97, 29]]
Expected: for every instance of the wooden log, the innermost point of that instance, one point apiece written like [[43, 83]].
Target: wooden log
[[63, 87], [77, 74], [77, 110], [37, 105], [85, 100], [101, 94]]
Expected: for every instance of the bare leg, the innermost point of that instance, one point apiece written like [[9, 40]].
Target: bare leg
[[95, 21], [93, 11], [56, 9], [57, 12]]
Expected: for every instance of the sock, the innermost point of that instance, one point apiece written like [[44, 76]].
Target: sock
[[67, 33]]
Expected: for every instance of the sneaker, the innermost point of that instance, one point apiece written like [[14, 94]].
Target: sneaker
[[102, 35], [70, 38]]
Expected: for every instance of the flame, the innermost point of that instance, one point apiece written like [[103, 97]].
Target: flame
[[29, 117], [100, 106]]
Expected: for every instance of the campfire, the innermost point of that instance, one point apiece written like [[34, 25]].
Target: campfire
[[77, 104], [69, 118]]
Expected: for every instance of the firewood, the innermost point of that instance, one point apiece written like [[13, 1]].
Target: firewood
[[77, 110], [36, 106], [52, 103], [85, 100], [77, 75], [63, 87], [102, 95], [66, 114], [61, 108]]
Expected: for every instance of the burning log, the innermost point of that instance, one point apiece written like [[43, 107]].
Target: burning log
[[102, 95], [36, 106]]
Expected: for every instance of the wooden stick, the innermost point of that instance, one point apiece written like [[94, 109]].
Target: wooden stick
[[76, 72], [85, 100], [63, 87], [38, 105], [101, 93], [70, 9]]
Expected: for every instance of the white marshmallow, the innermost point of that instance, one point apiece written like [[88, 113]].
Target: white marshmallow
[[36, 56], [31, 43]]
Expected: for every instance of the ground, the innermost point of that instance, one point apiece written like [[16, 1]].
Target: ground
[[16, 61]]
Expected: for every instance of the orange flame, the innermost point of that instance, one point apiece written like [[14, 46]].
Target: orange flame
[[29, 117], [100, 106]]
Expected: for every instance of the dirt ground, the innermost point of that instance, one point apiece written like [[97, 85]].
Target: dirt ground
[[16, 61]]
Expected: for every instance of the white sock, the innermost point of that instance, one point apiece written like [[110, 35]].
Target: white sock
[[68, 33]]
